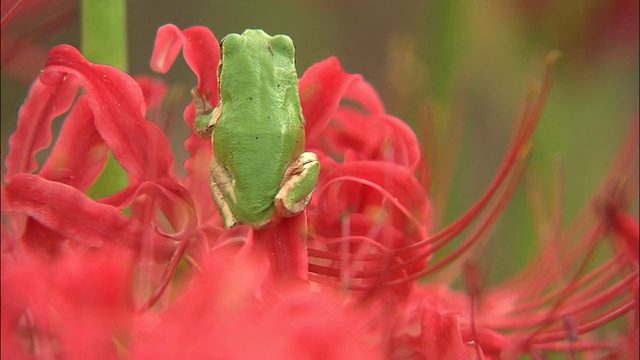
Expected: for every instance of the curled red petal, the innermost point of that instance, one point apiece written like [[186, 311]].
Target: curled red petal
[[241, 236], [405, 149], [69, 211], [166, 48], [201, 51], [365, 96], [321, 88], [398, 181], [171, 198], [44, 103], [119, 108], [80, 154], [355, 135]]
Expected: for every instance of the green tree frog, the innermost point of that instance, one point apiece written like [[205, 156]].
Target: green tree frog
[[259, 170]]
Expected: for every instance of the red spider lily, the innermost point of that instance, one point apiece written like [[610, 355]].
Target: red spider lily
[[169, 281]]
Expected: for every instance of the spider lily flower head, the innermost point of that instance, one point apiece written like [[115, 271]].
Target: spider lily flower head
[[340, 279]]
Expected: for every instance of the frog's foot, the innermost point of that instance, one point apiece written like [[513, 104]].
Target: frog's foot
[[298, 184], [206, 116], [222, 189]]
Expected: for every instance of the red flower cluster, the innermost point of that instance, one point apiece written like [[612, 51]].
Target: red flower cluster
[[150, 272]]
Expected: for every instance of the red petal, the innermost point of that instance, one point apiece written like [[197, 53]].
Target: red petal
[[39, 238], [201, 52], [368, 137], [43, 104], [153, 90], [365, 96], [80, 154], [321, 88], [166, 48], [118, 106], [441, 338], [198, 182], [409, 200], [69, 211], [171, 198]]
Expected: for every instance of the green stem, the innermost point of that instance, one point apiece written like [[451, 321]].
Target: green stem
[[104, 41], [104, 32]]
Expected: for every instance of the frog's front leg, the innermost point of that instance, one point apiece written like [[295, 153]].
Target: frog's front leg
[[298, 184], [221, 182], [206, 117]]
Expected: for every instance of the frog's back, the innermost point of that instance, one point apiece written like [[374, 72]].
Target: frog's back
[[261, 129]]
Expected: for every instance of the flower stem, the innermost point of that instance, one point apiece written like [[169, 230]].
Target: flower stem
[[104, 41], [286, 248], [104, 32]]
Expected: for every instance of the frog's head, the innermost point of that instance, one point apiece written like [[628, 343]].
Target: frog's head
[[253, 60], [253, 42]]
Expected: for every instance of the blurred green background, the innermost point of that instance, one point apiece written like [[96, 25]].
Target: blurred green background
[[465, 65]]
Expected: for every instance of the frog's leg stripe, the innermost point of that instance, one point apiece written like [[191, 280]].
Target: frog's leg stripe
[[298, 184], [222, 189]]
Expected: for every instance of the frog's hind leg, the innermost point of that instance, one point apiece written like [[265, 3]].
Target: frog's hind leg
[[221, 182], [298, 184]]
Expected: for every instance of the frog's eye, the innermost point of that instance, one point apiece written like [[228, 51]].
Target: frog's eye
[[230, 42], [283, 44]]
